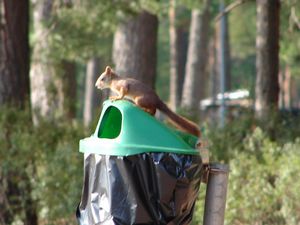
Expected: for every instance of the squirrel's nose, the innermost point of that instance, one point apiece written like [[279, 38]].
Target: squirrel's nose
[[96, 84]]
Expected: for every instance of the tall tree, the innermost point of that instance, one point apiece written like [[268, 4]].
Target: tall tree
[[134, 48], [91, 99], [42, 72], [295, 93], [285, 87], [222, 36], [182, 46], [14, 91], [53, 85], [178, 43], [14, 50], [196, 70], [267, 57], [212, 63], [174, 73], [68, 90]]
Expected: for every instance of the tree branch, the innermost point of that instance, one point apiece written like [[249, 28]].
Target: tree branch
[[229, 8], [294, 17]]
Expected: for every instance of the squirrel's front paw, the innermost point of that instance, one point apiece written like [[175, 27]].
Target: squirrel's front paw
[[114, 98]]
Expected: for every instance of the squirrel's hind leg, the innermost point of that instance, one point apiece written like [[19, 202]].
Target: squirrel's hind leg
[[150, 111], [145, 105]]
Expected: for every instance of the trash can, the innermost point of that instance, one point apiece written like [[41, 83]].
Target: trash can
[[137, 170]]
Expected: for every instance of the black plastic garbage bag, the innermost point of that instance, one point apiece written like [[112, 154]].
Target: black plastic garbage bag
[[147, 188]]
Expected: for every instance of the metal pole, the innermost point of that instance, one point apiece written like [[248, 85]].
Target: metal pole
[[222, 64], [216, 190]]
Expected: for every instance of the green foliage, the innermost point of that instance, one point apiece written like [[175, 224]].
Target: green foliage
[[224, 141], [243, 74], [59, 171], [242, 28], [85, 29], [253, 197], [290, 35], [242, 32], [199, 206], [263, 185], [78, 32], [42, 163], [288, 184], [15, 166], [262, 182], [190, 4]]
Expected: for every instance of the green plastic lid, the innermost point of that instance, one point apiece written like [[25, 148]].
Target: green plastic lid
[[124, 129]]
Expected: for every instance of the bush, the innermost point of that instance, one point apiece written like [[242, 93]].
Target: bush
[[40, 169], [263, 186], [252, 196], [288, 183]]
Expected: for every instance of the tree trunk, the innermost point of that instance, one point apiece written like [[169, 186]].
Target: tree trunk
[[182, 33], [14, 91], [295, 94], [196, 67], [14, 50], [174, 76], [53, 83], [134, 48], [43, 90], [68, 89], [285, 88], [177, 55], [212, 115], [267, 59], [214, 78], [227, 58], [92, 97]]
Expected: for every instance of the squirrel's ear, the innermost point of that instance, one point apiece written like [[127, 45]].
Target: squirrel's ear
[[108, 70]]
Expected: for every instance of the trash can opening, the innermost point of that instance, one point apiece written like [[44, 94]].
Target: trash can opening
[[111, 123]]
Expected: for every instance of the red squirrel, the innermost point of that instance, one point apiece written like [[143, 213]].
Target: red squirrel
[[143, 96]]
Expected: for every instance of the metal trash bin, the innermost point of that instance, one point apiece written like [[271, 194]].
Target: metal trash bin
[[137, 170]]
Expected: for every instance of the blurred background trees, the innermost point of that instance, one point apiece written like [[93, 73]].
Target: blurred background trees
[[196, 66], [209, 59], [267, 57], [14, 86], [134, 47]]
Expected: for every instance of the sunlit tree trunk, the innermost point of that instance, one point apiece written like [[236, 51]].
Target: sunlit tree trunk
[[177, 55], [43, 89], [227, 59], [285, 88], [295, 94], [134, 48], [267, 59], [197, 58], [92, 98], [53, 84], [174, 73], [214, 76]]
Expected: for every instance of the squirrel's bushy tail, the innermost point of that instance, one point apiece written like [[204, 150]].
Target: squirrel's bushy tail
[[180, 121]]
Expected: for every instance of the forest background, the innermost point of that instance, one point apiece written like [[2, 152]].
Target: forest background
[[189, 51]]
